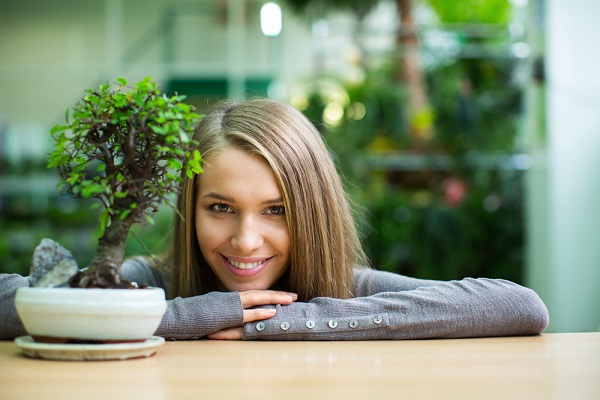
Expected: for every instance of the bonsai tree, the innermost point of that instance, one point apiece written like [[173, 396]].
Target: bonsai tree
[[127, 147]]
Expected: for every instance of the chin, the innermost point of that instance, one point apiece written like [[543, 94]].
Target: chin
[[242, 287]]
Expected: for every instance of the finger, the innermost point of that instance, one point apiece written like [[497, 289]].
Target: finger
[[252, 298], [258, 314], [228, 334]]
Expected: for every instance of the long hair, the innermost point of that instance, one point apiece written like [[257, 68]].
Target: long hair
[[325, 245]]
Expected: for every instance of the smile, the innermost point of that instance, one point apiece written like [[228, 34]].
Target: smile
[[244, 265], [248, 268]]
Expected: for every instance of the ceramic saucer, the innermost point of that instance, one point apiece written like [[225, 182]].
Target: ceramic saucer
[[81, 352]]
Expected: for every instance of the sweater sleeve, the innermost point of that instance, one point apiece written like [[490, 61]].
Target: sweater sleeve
[[395, 307], [192, 317], [10, 323], [198, 316]]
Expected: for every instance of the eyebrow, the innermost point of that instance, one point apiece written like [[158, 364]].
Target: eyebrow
[[217, 196]]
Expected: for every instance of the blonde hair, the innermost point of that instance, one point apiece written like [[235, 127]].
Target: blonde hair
[[325, 245]]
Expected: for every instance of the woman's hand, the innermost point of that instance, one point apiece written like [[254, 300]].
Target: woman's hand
[[250, 299]]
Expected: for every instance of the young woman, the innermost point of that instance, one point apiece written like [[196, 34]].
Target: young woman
[[267, 249]]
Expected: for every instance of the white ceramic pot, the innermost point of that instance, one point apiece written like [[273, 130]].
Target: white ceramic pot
[[109, 315]]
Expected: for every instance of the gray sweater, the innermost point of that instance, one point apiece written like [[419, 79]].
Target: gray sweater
[[386, 306]]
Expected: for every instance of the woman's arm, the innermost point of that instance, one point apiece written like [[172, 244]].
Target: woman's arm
[[199, 316], [10, 324], [409, 309], [187, 318]]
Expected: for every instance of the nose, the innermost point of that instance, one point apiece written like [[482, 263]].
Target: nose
[[248, 236]]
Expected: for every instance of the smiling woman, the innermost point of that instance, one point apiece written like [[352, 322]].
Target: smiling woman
[[240, 221], [267, 249], [262, 155]]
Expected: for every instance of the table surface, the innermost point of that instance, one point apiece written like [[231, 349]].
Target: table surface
[[548, 366]]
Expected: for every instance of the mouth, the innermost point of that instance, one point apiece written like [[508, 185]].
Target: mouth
[[246, 265], [246, 268]]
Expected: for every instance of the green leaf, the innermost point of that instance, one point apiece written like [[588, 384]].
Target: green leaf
[[183, 107], [122, 81], [124, 214], [184, 136], [172, 139], [59, 128], [90, 190], [74, 178], [195, 167], [175, 164], [120, 100], [162, 130], [139, 99], [104, 219]]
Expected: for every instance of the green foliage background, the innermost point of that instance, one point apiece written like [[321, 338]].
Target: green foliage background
[[409, 220]]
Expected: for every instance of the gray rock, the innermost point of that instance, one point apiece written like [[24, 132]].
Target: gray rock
[[59, 275], [46, 256]]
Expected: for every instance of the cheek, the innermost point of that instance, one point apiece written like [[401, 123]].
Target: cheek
[[209, 236], [281, 239]]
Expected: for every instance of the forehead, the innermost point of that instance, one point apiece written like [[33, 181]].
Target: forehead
[[238, 174]]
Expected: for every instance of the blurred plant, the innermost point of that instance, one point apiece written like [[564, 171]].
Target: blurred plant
[[365, 116], [477, 106], [472, 11], [407, 70], [444, 209], [418, 233]]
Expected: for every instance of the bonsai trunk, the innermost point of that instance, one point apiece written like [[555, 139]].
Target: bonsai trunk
[[105, 269]]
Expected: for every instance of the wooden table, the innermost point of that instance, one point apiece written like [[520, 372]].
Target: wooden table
[[550, 366]]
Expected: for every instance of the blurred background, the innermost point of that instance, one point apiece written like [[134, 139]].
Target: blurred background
[[467, 132]]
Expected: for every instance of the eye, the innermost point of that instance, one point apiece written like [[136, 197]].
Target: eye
[[276, 210], [220, 208]]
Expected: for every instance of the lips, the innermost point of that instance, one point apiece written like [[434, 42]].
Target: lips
[[246, 265], [246, 268]]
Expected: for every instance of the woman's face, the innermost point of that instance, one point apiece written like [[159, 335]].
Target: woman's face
[[240, 221]]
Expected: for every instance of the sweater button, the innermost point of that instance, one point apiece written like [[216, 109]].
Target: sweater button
[[284, 326], [260, 326], [332, 324], [353, 323], [310, 324], [378, 319]]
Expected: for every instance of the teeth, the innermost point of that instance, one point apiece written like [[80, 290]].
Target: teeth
[[242, 265]]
